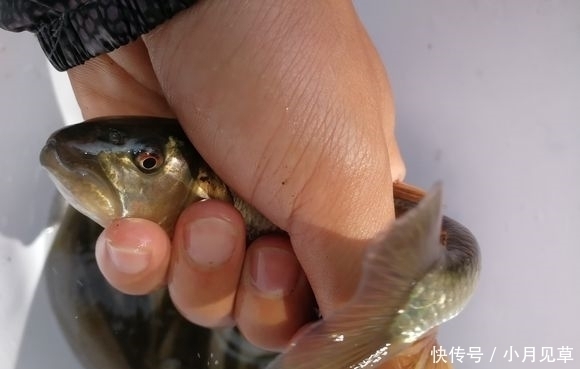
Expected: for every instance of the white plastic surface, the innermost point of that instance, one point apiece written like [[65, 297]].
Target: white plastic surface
[[29, 335], [488, 100]]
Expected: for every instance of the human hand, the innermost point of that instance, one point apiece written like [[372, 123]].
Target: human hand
[[289, 104]]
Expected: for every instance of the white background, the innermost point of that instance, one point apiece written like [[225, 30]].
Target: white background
[[488, 100]]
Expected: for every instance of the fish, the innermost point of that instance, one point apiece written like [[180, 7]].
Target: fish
[[417, 274]]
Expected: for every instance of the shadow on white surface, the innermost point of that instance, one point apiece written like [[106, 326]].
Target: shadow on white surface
[[29, 115], [29, 336]]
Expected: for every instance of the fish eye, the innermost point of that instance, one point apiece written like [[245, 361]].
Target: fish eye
[[148, 161]]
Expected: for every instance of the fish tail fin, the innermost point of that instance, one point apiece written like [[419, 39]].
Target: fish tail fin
[[359, 334]]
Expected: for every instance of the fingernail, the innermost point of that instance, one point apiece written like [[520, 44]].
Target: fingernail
[[210, 242], [274, 271], [131, 257]]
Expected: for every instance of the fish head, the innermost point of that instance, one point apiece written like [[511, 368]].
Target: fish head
[[128, 167]]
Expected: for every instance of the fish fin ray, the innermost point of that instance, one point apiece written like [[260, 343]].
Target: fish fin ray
[[318, 347], [401, 256], [356, 333]]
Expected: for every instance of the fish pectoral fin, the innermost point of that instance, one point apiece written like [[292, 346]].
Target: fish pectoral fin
[[361, 334]]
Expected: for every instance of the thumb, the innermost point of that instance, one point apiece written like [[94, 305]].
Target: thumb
[[291, 106]]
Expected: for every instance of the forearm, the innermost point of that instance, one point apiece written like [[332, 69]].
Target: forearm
[[72, 32]]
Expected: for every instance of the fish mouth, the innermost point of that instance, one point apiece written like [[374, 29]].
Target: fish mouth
[[49, 157], [80, 179]]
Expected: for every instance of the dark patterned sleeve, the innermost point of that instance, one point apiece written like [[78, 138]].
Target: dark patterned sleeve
[[73, 31]]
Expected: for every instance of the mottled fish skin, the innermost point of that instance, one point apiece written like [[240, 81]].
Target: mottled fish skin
[[413, 277]]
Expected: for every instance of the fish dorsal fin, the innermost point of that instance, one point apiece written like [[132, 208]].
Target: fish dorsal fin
[[360, 335]]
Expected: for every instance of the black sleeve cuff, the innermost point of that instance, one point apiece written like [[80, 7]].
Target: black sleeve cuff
[[71, 32]]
